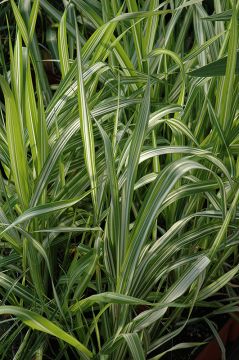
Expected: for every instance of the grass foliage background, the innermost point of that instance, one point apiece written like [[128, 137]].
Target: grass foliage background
[[119, 190]]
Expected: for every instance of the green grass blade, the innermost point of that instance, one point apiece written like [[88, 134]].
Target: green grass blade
[[86, 126], [132, 166], [228, 81], [216, 68], [179, 62], [216, 285], [107, 298], [115, 206], [20, 22], [38, 322], [45, 209], [31, 117], [135, 346], [223, 16], [62, 46], [33, 18], [16, 145]]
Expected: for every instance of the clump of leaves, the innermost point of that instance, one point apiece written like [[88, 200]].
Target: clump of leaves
[[119, 183]]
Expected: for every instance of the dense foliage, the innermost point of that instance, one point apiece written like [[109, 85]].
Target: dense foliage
[[119, 152]]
